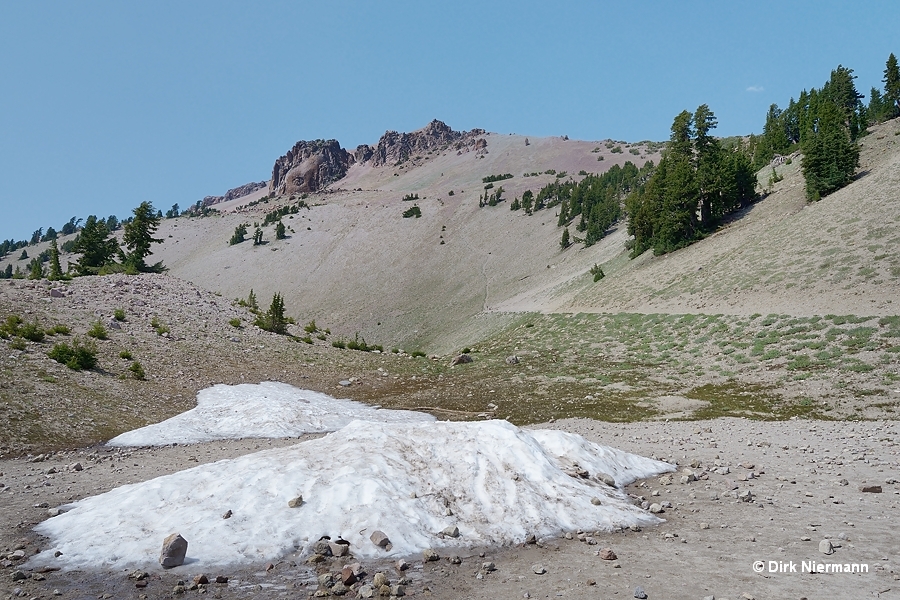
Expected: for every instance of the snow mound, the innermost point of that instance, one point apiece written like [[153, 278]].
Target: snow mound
[[497, 483], [266, 410]]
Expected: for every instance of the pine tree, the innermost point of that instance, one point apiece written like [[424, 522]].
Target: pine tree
[[280, 231], [95, 247], [36, 269], [139, 236], [564, 242], [892, 85], [8, 272], [273, 320], [257, 237], [830, 158], [55, 268], [239, 235]]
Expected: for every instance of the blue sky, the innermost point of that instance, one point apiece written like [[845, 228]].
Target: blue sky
[[107, 104]]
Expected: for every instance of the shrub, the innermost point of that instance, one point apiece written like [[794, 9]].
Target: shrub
[[59, 329], [31, 332], [77, 357], [617, 150], [125, 354], [17, 343], [137, 371], [273, 320], [339, 344], [240, 235], [417, 354], [235, 322], [11, 326], [119, 314], [311, 327], [98, 331], [597, 272], [491, 178], [159, 327], [414, 211], [306, 339]]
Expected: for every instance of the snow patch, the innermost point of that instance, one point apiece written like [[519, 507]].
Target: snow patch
[[494, 481], [265, 410]]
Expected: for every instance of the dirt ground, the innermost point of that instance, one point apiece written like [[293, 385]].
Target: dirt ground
[[805, 488]]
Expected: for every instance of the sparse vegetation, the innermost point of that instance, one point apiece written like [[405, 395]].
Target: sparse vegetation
[[119, 314], [413, 211], [79, 356], [137, 371], [492, 178], [98, 331]]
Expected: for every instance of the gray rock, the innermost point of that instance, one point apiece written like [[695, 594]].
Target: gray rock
[[512, 360], [173, 551], [76, 466], [451, 531], [606, 478], [366, 591], [57, 293], [460, 359], [640, 593], [398, 591], [538, 569], [401, 565], [656, 508], [488, 567], [871, 489], [596, 501], [339, 549], [19, 576], [295, 502], [322, 547], [380, 579], [825, 547], [380, 539], [113, 324], [455, 560], [339, 589], [326, 580], [430, 555], [344, 383]]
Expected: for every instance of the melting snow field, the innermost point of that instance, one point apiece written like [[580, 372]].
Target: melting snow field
[[265, 410], [495, 482]]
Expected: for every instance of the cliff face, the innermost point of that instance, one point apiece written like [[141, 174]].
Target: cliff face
[[238, 192], [309, 166]]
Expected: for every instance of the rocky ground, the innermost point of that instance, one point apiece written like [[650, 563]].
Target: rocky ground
[[784, 492]]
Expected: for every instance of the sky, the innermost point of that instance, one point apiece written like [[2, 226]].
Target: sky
[[106, 104]]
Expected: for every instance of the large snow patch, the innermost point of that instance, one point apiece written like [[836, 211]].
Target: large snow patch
[[496, 482], [265, 410]]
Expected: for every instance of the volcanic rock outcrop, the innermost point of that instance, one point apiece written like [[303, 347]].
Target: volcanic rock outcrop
[[238, 192], [309, 166]]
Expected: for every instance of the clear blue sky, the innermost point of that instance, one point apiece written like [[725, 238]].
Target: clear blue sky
[[106, 104]]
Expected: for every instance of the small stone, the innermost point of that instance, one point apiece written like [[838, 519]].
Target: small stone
[[295, 502], [138, 575], [227, 514], [398, 591], [843, 482], [221, 579], [640, 593], [655, 508], [488, 567], [348, 577], [380, 579], [704, 525], [606, 478], [607, 554], [871, 489], [401, 565], [315, 559], [173, 551], [825, 547], [339, 589], [538, 569], [201, 579], [380, 539], [366, 591], [596, 501], [455, 560], [19, 575], [179, 589], [326, 580], [451, 531], [76, 467], [512, 360], [430, 555], [531, 539], [384, 591]]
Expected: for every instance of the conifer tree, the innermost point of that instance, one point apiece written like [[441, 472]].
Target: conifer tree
[[139, 236], [830, 158], [95, 246], [892, 85], [55, 268], [564, 242], [280, 231], [274, 320]]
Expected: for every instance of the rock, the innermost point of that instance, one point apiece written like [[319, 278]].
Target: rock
[[54, 512], [19, 576], [531, 539], [309, 166], [221, 579], [460, 359], [871, 489], [76, 466], [745, 496], [227, 514], [380, 579], [512, 360], [295, 502], [665, 480], [451, 531], [398, 591], [344, 382], [366, 591], [655, 508], [455, 560], [113, 324], [339, 589], [488, 567], [201, 579], [538, 569], [348, 577], [606, 478], [430, 555], [380, 539], [138, 575], [596, 501], [607, 554], [173, 551], [825, 547], [339, 549], [326, 580], [401, 565], [322, 547], [57, 293], [704, 525], [640, 593]]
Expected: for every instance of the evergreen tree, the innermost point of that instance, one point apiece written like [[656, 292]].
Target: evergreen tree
[[55, 268], [36, 269], [9, 271], [564, 242], [70, 227], [240, 233], [280, 231], [95, 247], [257, 237], [36, 236], [49, 235], [139, 236], [830, 157], [892, 86], [274, 320]]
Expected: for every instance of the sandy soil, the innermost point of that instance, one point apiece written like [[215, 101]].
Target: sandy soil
[[805, 487]]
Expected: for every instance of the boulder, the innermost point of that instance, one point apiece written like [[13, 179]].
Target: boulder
[[173, 551], [460, 359]]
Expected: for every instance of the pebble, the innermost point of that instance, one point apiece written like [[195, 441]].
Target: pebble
[[640, 593], [825, 547], [538, 569]]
